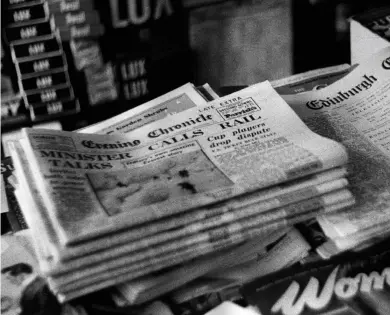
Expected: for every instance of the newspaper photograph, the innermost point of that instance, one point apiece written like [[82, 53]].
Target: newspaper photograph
[[173, 177], [173, 102], [246, 150], [356, 112], [239, 151]]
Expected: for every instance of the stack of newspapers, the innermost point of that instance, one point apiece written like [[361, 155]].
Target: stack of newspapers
[[146, 195], [176, 179]]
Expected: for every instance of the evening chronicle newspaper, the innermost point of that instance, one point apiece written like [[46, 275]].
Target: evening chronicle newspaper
[[356, 112], [93, 184]]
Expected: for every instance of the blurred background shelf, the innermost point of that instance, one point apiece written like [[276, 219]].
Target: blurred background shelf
[[117, 57]]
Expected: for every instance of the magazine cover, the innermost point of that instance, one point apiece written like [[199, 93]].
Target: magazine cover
[[24, 291]]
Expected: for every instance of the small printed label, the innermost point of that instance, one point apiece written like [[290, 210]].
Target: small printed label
[[65, 6], [40, 65], [45, 81], [76, 18], [49, 95], [39, 111], [29, 32], [36, 49], [27, 14]]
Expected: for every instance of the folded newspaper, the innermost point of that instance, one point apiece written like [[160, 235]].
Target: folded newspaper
[[355, 111]]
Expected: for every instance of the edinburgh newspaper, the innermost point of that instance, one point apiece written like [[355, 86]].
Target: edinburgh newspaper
[[355, 111]]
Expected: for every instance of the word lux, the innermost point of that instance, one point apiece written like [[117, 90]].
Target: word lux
[[139, 12], [133, 69], [136, 89]]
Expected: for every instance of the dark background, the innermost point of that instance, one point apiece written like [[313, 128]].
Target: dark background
[[224, 43]]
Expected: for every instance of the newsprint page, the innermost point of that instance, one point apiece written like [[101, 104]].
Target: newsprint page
[[228, 152], [356, 112]]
